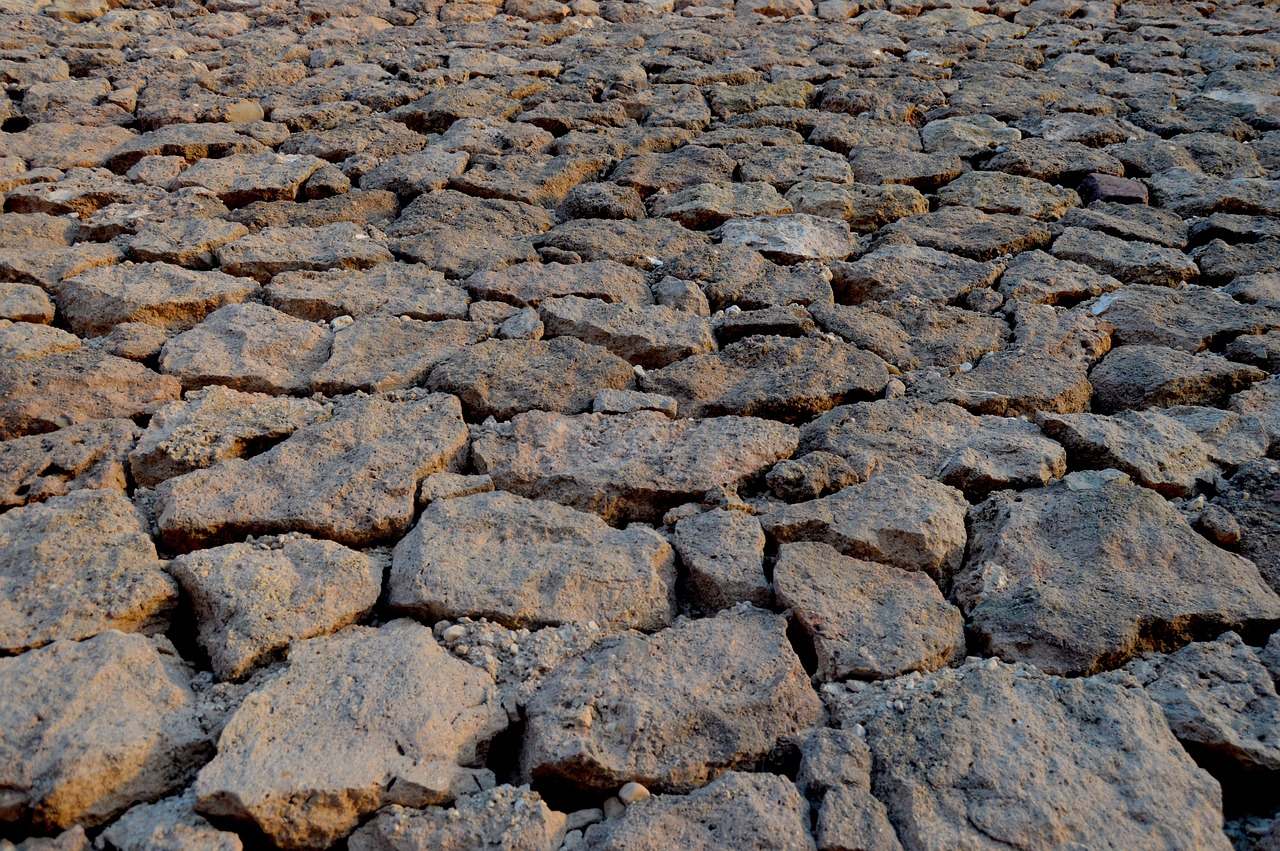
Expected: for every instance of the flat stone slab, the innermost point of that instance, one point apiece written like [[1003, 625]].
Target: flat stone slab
[[94, 455], [389, 289], [269, 252], [530, 283]]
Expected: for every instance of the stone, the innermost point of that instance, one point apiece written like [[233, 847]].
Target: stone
[[970, 233], [389, 289], [502, 378], [1136, 377], [171, 824], [358, 720], [91, 728], [650, 336], [530, 283], [601, 201], [873, 164], [82, 191], [733, 687], [159, 294], [791, 238], [43, 394], [27, 341], [1190, 319], [506, 817], [457, 252], [723, 556], [351, 478], [784, 166], [78, 565], [385, 352], [709, 205], [57, 144], [996, 192], [902, 520], [792, 320], [760, 812], [732, 275], [538, 179], [270, 251], [185, 242], [192, 142], [1113, 189], [212, 425], [626, 466], [835, 774], [248, 347], [689, 166], [252, 600], [241, 179], [47, 267], [1040, 278], [733, 100], [609, 401], [866, 619], [977, 454], [92, 455], [967, 136], [1064, 163], [813, 475], [1250, 497], [531, 563], [897, 272], [1129, 262], [1088, 572], [1191, 192], [360, 207], [777, 377], [25, 303], [410, 175], [1030, 743], [623, 241], [1219, 701], [912, 333]]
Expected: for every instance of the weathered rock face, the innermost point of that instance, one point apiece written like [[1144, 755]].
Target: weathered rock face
[[627, 466], [531, 283], [897, 272], [386, 352], [594, 726], [649, 336], [350, 478], [75, 566], [1012, 771], [1251, 498], [501, 817], [866, 619], [391, 289], [251, 600], [1136, 377], [358, 720], [91, 728], [723, 554], [1085, 573], [168, 825], [39, 466], [736, 810], [531, 563]]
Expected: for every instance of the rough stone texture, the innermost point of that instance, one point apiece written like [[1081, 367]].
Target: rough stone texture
[[504, 817], [650, 336], [599, 722], [866, 619], [168, 825], [391, 289], [1190, 319], [626, 466], [87, 729], [91, 455], [1130, 262], [969, 233], [1135, 377], [1086, 573], [358, 720], [288, 249], [1013, 771], [25, 303], [77, 565], [251, 600], [385, 352], [898, 272], [1035, 276], [351, 478], [1252, 497], [791, 238], [531, 563], [531, 283], [723, 554]]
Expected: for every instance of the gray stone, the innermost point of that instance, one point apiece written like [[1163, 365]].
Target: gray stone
[[1129, 262], [171, 824], [385, 352], [90, 455], [651, 336], [506, 817], [898, 272], [531, 283], [723, 554], [1136, 377], [390, 289], [273, 250], [791, 238]]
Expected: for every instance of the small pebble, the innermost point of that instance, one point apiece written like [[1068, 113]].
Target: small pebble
[[632, 792]]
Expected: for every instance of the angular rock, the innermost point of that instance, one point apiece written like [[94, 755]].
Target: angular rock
[[913, 333], [897, 272], [241, 179], [1041, 278], [651, 336], [835, 773], [385, 352], [390, 289], [866, 619], [791, 238], [531, 563], [530, 283], [866, 208], [185, 242], [709, 205], [457, 253], [350, 478], [1129, 262], [967, 136], [627, 466], [25, 303], [1135, 377], [671, 172], [784, 166], [732, 687], [970, 233], [1252, 497], [252, 600], [1190, 319], [502, 817], [357, 721], [26, 341], [723, 554], [873, 164], [1128, 222], [734, 275], [168, 825], [995, 192], [190, 141], [1082, 575], [92, 455], [627, 242], [289, 249]]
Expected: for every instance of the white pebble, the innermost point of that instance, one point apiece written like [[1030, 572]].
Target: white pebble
[[453, 633], [632, 792]]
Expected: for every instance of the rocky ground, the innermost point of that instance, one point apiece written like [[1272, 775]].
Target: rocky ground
[[639, 424]]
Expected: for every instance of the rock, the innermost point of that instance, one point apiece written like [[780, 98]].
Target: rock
[[93, 455], [626, 466], [969, 233], [241, 179], [190, 141], [1029, 745], [873, 164], [1130, 262], [723, 554], [1041, 278], [1135, 377], [360, 207], [390, 289], [502, 817], [26, 341], [835, 773], [90, 728], [995, 192], [813, 475], [627, 242], [1086, 573], [1191, 192], [252, 600], [792, 320], [733, 687], [527, 563], [502, 378], [866, 619], [523, 325], [77, 565], [357, 721], [25, 303], [967, 136], [1113, 189], [385, 352], [410, 175], [1064, 163], [734, 275], [185, 242], [1131, 222], [778, 377], [784, 166], [1250, 497], [791, 238], [1219, 701], [977, 454], [651, 336], [760, 812], [628, 401], [866, 208], [912, 333], [349, 478], [212, 425], [287, 249], [898, 519], [43, 394], [709, 205], [898, 272], [733, 100], [248, 347], [530, 283], [602, 201], [159, 294], [537, 179], [171, 824], [1190, 319]]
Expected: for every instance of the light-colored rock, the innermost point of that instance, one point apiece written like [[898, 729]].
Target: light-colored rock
[[171, 824], [241, 179], [273, 250], [506, 817], [385, 352], [649, 335], [252, 600], [25, 303], [529, 563], [792, 238], [997, 192], [26, 341], [709, 205], [359, 720], [897, 272], [723, 555], [190, 242], [76, 565], [91, 455], [391, 289], [530, 283]]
